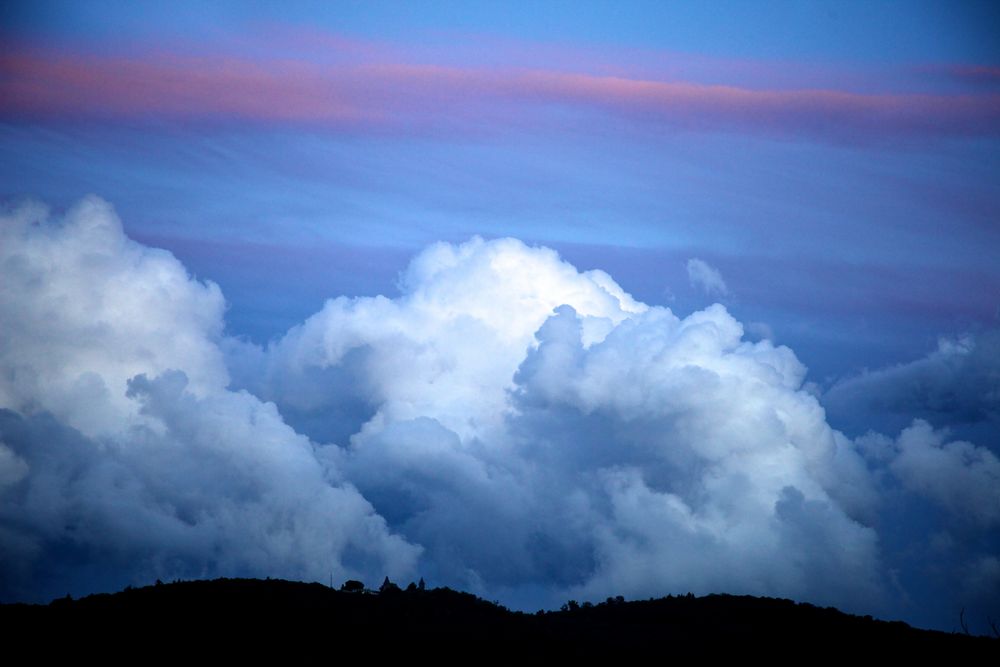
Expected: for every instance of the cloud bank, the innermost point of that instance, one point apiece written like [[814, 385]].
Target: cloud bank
[[506, 423]]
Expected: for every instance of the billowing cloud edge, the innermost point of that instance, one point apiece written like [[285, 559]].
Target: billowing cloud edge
[[617, 447]]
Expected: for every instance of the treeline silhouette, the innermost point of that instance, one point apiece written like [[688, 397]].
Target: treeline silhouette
[[253, 617]]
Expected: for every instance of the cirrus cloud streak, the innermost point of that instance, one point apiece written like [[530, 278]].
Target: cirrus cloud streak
[[38, 84]]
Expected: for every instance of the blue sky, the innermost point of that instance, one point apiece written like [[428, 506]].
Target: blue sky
[[835, 163], [813, 31]]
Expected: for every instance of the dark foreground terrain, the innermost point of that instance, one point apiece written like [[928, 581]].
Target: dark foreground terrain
[[313, 623]]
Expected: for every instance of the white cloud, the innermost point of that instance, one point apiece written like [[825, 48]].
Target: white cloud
[[449, 346], [125, 457], [960, 476], [507, 423], [505, 389], [706, 277], [85, 309]]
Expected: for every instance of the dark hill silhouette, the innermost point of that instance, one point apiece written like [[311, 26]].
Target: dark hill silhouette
[[254, 617]]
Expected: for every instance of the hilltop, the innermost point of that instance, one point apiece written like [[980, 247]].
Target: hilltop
[[247, 616]]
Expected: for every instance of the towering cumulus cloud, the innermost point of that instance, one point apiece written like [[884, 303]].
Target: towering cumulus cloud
[[506, 424], [614, 446]]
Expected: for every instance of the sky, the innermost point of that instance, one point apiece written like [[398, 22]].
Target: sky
[[671, 296]]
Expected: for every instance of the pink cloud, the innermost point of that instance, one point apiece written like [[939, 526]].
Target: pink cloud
[[978, 73], [43, 85], [37, 85], [974, 74]]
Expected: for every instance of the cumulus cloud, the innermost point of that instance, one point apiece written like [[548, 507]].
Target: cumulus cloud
[[705, 277], [505, 392], [940, 508], [960, 476], [957, 385], [505, 423], [124, 456], [448, 347], [85, 309]]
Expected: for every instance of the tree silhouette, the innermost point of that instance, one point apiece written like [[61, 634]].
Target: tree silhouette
[[388, 587], [353, 586]]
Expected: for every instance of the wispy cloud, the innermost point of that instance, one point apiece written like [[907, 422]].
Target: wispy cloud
[[976, 75], [405, 96], [704, 276]]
